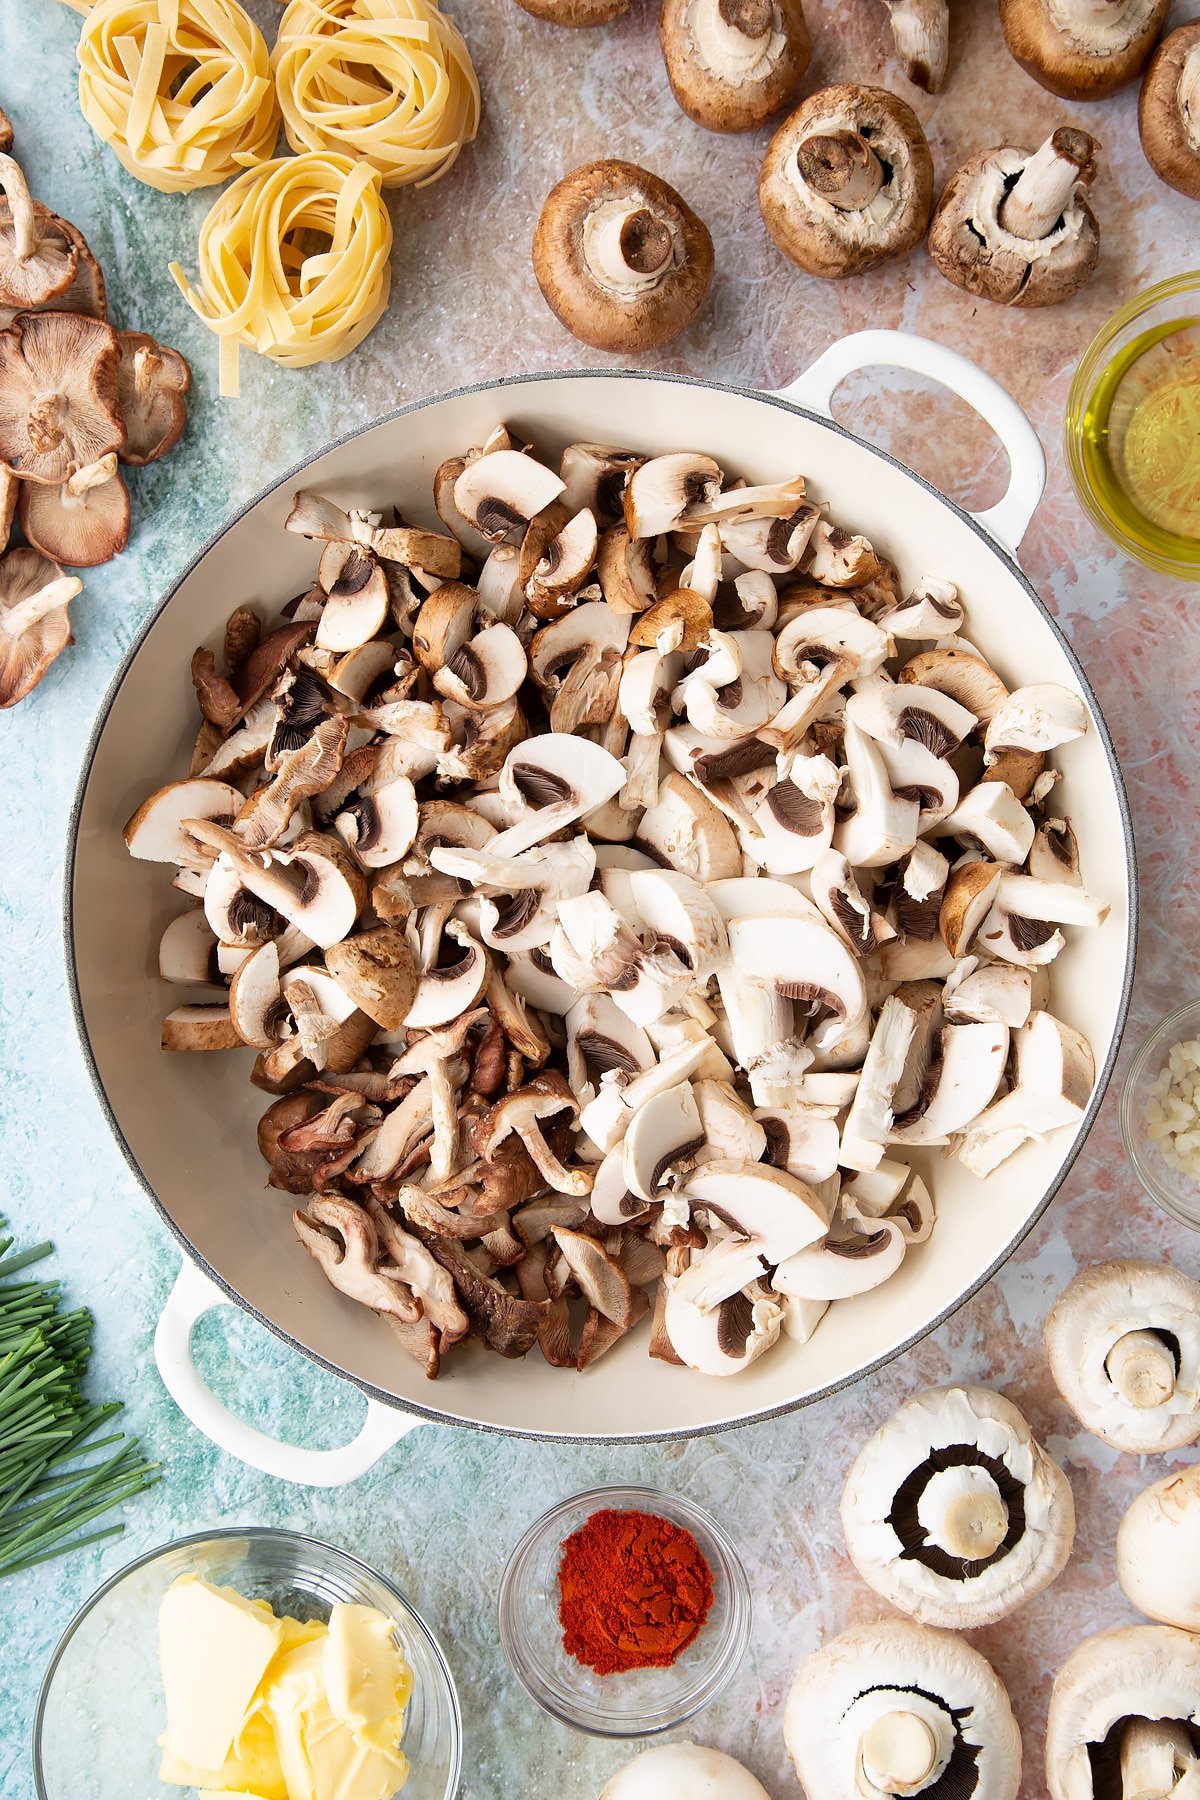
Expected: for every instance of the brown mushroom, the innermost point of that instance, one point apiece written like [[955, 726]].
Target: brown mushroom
[[34, 626], [733, 63], [921, 29], [522, 1114], [151, 383], [9, 488], [376, 970], [6, 131], [37, 259], [1169, 110], [847, 181], [620, 257], [1014, 226], [1082, 49], [505, 1322], [82, 522], [345, 1243], [576, 12], [58, 394]]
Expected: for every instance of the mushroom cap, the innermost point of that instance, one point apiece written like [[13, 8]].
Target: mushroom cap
[[595, 308], [1089, 61], [80, 523], [826, 240], [38, 256], [59, 407], [1158, 1550], [151, 382], [1169, 122], [1138, 1671], [576, 12], [683, 1772], [974, 251], [885, 1665], [1104, 1304], [732, 64], [916, 1473], [34, 627]]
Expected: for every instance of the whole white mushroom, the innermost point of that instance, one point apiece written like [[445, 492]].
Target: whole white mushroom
[[683, 1772], [1158, 1550]]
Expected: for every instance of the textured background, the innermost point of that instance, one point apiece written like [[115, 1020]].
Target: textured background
[[441, 1513]]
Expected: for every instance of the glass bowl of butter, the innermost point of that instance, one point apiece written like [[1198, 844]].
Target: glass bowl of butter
[[251, 1663], [1132, 432]]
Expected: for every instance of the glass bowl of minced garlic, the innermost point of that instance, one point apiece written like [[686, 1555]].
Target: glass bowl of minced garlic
[[1160, 1114], [248, 1661]]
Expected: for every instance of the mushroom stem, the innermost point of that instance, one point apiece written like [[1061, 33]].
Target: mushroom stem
[[842, 168], [91, 475], [1142, 1369], [147, 367], [1187, 96], [1156, 1758], [921, 29], [1043, 189], [20, 203], [628, 248], [16, 620], [733, 34], [899, 1752]]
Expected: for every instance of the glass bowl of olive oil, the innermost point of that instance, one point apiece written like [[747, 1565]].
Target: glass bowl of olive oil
[[1133, 428]]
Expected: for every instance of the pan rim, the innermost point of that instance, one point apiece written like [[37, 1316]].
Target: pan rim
[[757, 1415]]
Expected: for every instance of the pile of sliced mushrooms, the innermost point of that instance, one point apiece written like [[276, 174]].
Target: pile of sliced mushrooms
[[77, 398], [618, 886]]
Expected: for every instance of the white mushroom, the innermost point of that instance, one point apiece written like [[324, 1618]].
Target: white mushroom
[[644, 983], [1109, 1688], [1055, 1073], [725, 1338], [684, 830], [1124, 1347], [991, 816], [683, 1772], [954, 1513], [679, 916], [499, 493], [899, 1709], [963, 1079], [883, 826], [1158, 1550], [870, 1119], [843, 1264], [801, 960]]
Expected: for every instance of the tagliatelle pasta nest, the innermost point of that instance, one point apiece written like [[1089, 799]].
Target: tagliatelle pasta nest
[[390, 81], [181, 90], [294, 262]]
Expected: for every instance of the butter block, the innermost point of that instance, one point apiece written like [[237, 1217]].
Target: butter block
[[343, 1767], [214, 1649], [252, 1766], [366, 1678]]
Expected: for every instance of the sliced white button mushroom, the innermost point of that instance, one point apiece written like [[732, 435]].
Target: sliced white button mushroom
[[203, 1027], [870, 1119], [255, 998], [1059, 902], [534, 881], [595, 476], [662, 1135], [644, 983], [356, 607], [801, 961], [895, 715], [662, 492], [607, 1118], [157, 832], [883, 826], [1158, 1550], [841, 902], [563, 565], [826, 634], [751, 897], [991, 815], [843, 1264], [1028, 943], [794, 824], [445, 990], [683, 1772], [684, 830], [313, 885], [725, 1338], [380, 820], [777, 1211], [932, 610], [987, 994], [680, 917], [550, 782], [804, 1140], [1055, 1074], [963, 1082], [1123, 1341], [954, 1513], [1040, 718], [905, 1708], [187, 951], [1138, 1675], [761, 1024], [485, 671]]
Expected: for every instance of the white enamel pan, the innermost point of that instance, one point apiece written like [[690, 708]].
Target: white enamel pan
[[186, 1124]]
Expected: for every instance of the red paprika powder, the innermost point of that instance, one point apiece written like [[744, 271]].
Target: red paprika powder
[[634, 1591]]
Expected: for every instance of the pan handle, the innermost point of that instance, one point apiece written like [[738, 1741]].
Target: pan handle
[[191, 1297], [1008, 520]]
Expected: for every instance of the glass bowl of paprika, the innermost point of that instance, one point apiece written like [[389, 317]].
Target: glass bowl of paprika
[[624, 1611]]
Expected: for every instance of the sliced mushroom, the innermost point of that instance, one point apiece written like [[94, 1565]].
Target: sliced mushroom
[[987, 994], [203, 1028], [59, 409], [1082, 49], [620, 257], [563, 565], [963, 675], [545, 1097], [376, 970], [344, 1242], [663, 491], [357, 600], [847, 181], [777, 1212], [883, 826], [680, 917], [1038, 718], [970, 894], [151, 383], [803, 961], [870, 1119], [725, 1338], [991, 817], [954, 1513], [794, 824], [1013, 225], [1124, 1347], [921, 29], [497, 494], [898, 1708], [843, 1264], [961, 1082], [684, 831], [34, 627], [732, 64], [1169, 110], [1129, 1698], [932, 610], [643, 982]]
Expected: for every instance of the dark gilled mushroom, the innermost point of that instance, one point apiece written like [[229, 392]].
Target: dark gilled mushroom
[[34, 627], [1014, 226], [58, 395], [897, 1708], [954, 1513], [621, 258], [521, 1114], [732, 64], [1169, 110], [151, 383], [1125, 1717], [847, 181], [1083, 49]]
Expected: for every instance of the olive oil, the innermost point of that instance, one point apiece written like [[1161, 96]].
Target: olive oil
[[1140, 442]]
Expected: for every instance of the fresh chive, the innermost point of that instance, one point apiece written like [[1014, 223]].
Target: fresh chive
[[54, 1476]]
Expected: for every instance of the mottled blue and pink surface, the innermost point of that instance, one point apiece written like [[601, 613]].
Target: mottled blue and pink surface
[[442, 1511]]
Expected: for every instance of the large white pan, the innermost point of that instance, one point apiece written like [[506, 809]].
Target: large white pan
[[186, 1124]]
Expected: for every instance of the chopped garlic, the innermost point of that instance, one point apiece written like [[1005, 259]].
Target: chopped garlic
[[1173, 1109]]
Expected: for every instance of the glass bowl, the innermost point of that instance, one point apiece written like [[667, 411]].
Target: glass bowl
[[1174, 1191], [100, 1710], [643, 1701], [1167, 431]]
